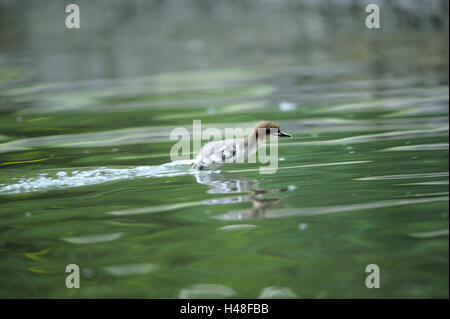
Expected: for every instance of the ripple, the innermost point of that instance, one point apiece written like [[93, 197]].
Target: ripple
[[94, 139], [92, 239], [131, 269], [422, 147], [277, 292], [304, 166], [403, 176], [378, 137], [206, 291], [429, 183], [153, 209], [391, 104], [429, 234], [237, 227], [315, 211], [227, 200]]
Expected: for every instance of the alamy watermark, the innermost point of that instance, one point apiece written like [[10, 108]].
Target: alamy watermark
[[73, 17], [73, 280], [373, 18], [373, 279]]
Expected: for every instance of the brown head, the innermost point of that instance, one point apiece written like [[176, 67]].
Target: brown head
[[263, 129]]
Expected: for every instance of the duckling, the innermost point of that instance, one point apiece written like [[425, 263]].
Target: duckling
[[215, 154]]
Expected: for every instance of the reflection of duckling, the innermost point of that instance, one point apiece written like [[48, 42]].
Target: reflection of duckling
[[261, 205], [214, 154], [229, 183], [226, 182], [258, 210]]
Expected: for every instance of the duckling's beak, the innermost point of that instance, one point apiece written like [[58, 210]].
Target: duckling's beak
[[282, 134]]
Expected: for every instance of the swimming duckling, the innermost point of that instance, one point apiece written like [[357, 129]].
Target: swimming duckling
[[216, 153]]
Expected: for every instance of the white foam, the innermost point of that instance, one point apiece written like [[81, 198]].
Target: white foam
[[79, 177]]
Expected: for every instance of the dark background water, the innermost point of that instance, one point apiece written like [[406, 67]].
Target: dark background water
[[131, 38], [85, 121]]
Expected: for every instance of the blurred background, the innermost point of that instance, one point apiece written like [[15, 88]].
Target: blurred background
[[85, 120], [119, 39]]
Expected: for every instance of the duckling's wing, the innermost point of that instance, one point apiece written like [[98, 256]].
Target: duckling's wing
[[209, 156], [225, 151], [219, 151], [216, 153]]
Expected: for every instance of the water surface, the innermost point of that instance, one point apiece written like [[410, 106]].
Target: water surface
[[86, 177]]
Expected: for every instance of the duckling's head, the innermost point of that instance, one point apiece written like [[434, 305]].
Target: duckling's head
[[263, 129]]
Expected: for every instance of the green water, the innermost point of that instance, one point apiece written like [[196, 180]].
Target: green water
[[84, 179]]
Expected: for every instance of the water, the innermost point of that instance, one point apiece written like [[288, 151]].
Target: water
[[86, 177]]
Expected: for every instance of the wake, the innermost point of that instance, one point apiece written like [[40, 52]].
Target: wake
[[61, 179]]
